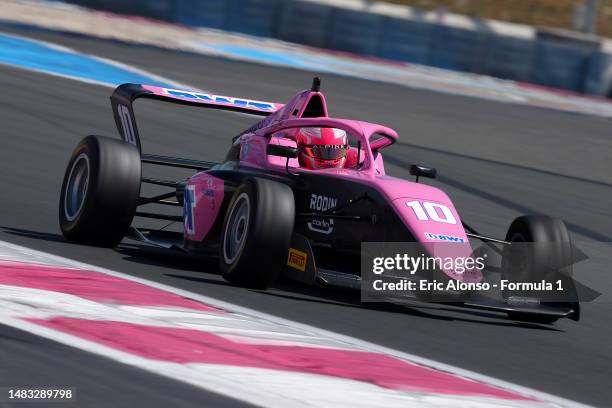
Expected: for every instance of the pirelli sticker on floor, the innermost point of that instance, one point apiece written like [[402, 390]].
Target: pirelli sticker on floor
[[297, 259]]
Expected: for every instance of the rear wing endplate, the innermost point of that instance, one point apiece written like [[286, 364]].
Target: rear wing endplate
[[124, 96]]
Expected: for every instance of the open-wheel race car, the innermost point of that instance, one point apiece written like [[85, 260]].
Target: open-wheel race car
[[297, 194]]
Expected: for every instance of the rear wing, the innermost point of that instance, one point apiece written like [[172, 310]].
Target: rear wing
[[124, 96]]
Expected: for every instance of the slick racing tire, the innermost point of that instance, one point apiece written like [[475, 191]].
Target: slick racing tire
[[100, 191], [542, 249], [256, 233]]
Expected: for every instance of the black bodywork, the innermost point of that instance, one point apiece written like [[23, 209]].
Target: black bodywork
[[330, 233]]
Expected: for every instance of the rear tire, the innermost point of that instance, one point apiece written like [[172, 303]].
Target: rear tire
[[100, 191], [256, 233], [536, 261]]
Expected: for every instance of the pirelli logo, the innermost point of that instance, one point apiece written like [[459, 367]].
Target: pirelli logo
[[297, 259]]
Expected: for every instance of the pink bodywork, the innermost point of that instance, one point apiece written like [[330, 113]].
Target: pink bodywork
[[209, 192], [273, 129], [372, 173]]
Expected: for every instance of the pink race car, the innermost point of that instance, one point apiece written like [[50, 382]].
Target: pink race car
[[298, 194]]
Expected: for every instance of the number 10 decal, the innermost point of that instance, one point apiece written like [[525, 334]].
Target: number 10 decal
[[427, 211]]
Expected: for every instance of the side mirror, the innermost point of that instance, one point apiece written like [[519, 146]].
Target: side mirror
[[421, 171], [282, 151]]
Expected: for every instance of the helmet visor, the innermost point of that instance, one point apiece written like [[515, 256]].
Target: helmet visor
[[326, 152]]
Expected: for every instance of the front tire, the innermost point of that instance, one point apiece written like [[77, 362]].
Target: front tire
[[100, 191], [542, 248], [256, 233]]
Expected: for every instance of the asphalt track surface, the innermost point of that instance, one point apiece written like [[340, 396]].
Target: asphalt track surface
[[43, 117]]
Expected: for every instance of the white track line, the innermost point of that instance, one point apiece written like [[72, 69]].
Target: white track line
[[93, 347]]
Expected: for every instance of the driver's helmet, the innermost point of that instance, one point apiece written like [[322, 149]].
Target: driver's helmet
[[321, 148]]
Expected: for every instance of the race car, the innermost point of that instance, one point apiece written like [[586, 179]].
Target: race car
[[297, 194]]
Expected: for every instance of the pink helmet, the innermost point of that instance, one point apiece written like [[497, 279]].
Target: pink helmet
[[321, 148]]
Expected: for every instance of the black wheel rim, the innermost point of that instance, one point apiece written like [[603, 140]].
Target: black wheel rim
[[76, 187], [236, 229]]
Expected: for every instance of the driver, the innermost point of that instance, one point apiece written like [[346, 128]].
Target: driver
[[321, 148]]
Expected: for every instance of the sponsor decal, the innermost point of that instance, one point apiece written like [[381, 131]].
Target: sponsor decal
[[322, 203], [209, 193], [323, 226], [245, 151], [129, 135], [189, 209], [297, 259], [226, 100], [443, 237]]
